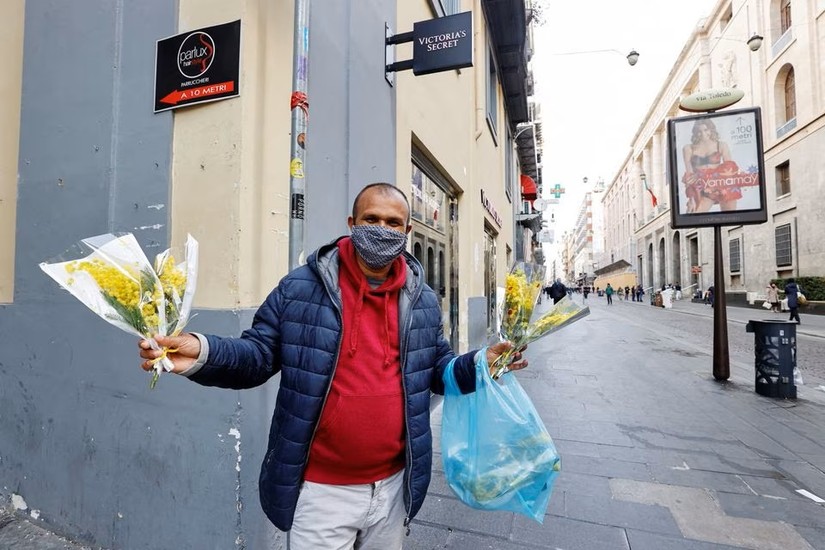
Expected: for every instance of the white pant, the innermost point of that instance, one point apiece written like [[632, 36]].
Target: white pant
[[345, 517]]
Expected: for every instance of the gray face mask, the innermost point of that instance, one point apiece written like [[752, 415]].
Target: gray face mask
[[378, 246]]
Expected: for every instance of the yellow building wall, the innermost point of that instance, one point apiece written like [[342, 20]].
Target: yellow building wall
[[445, 114], [11, 44], [230, 175]]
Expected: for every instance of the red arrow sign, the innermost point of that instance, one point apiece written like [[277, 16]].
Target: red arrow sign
[[200, 92]]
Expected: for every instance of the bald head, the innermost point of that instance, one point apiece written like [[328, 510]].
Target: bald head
[[380, 190]]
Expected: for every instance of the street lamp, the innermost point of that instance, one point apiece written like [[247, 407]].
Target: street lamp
[[755, 42], [632, 57]]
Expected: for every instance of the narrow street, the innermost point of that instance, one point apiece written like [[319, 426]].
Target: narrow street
[[655, 453]]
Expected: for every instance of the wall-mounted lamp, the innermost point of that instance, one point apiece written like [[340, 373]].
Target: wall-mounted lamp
[[633, 57]]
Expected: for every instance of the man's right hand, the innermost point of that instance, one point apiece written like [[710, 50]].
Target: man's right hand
[[182, 350]]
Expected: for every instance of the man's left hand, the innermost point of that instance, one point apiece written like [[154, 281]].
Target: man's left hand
[[519, 362]]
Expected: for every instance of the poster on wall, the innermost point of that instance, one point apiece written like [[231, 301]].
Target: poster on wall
[[716, 169]]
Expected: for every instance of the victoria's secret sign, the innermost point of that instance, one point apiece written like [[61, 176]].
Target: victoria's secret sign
[[443, 44]]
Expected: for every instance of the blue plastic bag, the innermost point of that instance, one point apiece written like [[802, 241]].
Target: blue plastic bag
[[496, 452]]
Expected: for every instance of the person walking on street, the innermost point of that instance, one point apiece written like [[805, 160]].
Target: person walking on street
[[356, 336], [772, 297], [792, 291], [557, 291], [609, 292], [628, 293]]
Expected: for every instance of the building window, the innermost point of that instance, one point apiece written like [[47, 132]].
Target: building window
[[785, 16], [783, 179], [784, 251], [735, 255], [450, 7], [492, 95], [427, 201], [440, 8], [726, 17], [790, 95]]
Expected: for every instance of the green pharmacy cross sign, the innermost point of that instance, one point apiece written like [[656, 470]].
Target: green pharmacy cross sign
[[557, 190]]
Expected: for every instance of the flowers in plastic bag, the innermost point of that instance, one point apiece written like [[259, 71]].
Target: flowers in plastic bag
[[112, 276]]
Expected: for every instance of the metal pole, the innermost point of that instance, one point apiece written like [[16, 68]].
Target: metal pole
[[721, 355], [299, 104]]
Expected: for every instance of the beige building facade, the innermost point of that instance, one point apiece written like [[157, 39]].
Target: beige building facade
[[786, 79], [458, 159]]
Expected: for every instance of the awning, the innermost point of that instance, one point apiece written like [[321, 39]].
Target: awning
[[529, 191]]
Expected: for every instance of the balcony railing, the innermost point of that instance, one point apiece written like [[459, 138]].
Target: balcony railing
[[783, 41], [785, 128]]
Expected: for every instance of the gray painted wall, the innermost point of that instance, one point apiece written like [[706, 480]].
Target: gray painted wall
[[82, 439]]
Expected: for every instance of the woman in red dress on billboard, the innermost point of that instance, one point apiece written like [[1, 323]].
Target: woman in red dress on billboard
[[708, 158]]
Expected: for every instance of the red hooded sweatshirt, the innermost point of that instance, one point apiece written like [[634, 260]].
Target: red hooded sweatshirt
[[361, 434]]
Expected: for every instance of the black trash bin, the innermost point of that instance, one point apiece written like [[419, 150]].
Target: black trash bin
[[775, 350]]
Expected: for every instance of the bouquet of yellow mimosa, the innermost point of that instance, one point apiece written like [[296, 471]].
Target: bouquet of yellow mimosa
[[112, 276], [521, 291]]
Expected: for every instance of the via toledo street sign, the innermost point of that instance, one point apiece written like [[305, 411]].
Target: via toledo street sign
[[198, 66], [710, 100]]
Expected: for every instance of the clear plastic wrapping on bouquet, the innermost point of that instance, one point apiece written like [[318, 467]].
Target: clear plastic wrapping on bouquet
[[521, 291], [111, 275]]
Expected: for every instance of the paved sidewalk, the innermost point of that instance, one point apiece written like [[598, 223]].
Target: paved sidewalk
[[812, 325], [656, 455], [18, 533]]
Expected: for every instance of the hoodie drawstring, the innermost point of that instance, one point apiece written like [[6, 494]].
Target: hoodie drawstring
[[353, 341]]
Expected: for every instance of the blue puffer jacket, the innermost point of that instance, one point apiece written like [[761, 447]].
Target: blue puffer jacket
[[297, 332]]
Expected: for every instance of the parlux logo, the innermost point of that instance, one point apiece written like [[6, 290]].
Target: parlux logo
[[195, 55]]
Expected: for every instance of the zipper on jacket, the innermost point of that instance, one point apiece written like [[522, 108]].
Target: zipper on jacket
[[403, 359], [340, 314]]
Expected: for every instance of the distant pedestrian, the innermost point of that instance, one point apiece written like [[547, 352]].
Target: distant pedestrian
[[792, 291], [709, 296], [557, 291], [609, 292], [772, 297], [627, 292]]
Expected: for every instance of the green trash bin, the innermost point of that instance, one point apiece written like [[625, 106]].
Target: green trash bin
[[775, 355]]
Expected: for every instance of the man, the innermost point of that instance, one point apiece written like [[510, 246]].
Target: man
[[357, 337], [557, 291], [609, 292]]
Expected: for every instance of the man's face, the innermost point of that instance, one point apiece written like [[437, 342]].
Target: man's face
[[382, 208]]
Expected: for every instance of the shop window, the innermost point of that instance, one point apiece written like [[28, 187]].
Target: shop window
[[784, 248], [490, 280], [428, 200], [783, 179]]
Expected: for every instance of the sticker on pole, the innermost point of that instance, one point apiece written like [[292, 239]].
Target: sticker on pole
[[198, 66]]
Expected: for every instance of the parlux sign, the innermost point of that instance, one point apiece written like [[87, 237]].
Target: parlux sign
[[443, 44], [198, 66]]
